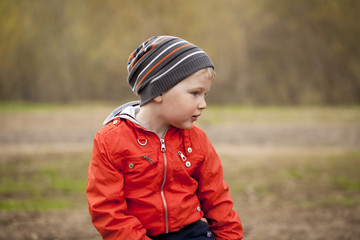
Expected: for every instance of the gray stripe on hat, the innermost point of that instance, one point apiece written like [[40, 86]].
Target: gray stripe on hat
[[183, 59], [150, 44], [139, 76]]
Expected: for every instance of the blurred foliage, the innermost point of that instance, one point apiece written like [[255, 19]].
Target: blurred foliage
[[265, 52]]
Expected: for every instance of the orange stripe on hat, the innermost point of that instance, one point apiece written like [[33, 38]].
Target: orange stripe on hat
[[132, 64], [160, 62]]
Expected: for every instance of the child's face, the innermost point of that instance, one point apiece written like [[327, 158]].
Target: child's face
[[183, 104]]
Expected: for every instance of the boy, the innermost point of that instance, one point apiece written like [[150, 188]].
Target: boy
[[153, 175]]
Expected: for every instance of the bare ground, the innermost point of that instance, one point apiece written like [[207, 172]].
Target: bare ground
[[253, 143]]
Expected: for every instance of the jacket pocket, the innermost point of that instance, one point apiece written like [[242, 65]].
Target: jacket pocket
[[139, 173], [189, 164]]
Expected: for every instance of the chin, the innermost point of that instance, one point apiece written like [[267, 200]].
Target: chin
[[184, 126]]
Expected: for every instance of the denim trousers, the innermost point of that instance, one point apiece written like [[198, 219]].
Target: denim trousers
[[196, 231]]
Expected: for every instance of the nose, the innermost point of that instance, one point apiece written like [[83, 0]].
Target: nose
[[202, 104]]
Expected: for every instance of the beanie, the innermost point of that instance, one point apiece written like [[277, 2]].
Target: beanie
[[160, 63]]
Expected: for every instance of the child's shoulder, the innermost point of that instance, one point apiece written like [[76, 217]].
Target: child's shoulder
[[115, 127], [197, 134], [196, 130]]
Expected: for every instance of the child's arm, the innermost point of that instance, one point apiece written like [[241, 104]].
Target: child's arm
[[215, 198], [107, 205]]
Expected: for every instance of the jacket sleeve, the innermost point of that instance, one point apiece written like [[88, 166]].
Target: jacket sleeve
[[215, 198], [105, 194]]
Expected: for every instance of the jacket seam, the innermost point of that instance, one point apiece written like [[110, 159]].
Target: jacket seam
[[111, 160]]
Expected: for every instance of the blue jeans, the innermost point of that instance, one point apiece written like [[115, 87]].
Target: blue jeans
[[196, 231]]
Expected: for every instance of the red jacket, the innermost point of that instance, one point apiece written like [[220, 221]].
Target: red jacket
[[141, 185]]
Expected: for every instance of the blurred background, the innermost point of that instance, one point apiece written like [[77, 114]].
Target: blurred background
[[265, 52], [283, 112]]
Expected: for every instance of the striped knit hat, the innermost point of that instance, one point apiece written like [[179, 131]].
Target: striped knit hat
[[160, 63]]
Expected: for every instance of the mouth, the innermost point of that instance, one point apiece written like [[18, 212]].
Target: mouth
[[195, 117]]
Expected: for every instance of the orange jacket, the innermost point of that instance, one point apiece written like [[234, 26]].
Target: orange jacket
[[141, 185]]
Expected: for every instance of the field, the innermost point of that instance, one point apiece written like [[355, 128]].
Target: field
[[294, 173]]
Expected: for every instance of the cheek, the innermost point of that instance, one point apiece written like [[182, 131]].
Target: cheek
[[180, 109], [180, 104], [186, 103]]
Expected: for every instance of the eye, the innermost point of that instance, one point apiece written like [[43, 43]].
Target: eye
[[195, 93]]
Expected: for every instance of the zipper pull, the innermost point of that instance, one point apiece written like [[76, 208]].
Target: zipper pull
[[163, 149], [148, 158], [182, 156]]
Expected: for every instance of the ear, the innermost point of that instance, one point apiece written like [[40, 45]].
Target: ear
[[158, 99]]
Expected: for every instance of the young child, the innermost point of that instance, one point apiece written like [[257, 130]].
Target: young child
[[153, 175]]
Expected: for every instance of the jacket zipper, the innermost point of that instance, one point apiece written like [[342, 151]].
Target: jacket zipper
[[163, 150], [148, 159], [182, 156]]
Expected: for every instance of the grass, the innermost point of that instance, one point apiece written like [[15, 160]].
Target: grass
[[237, 114], [55, 180], [215, 114], [43, 181], [16, 106], [35, 204], [306, 180], [21, 106], [47, 181]]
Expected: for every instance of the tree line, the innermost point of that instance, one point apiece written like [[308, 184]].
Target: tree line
[[265, 52]]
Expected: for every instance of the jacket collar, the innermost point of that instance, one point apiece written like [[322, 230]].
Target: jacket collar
[[128, 111], [125, 111]]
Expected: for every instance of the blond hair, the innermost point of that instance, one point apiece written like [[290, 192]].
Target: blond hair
[[211, 74]]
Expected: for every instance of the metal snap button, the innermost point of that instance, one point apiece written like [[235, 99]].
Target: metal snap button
[[198, 209], [131, 165], [142, 143], [189, 150], [115, 121], [188, 164]]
